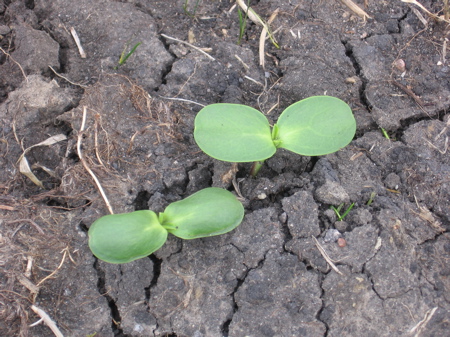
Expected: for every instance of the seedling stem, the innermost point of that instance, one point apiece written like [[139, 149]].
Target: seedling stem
[[338, 210], [124, 57], [371, 199], [255, 168], [385, 134], [186, 11]]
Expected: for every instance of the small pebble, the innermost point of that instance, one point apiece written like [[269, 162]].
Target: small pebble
[[4, 30], [341, 242], [400, 65], [262, 196]]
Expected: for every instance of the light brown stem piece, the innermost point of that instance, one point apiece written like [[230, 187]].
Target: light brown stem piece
[[355, 8], [83, 161], [78, 43], [47, 320]]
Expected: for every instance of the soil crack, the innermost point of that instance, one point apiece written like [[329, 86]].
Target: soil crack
[[322, 294], [225, 328], [156, 273], [362, 89], [372, 285], [115, 314]]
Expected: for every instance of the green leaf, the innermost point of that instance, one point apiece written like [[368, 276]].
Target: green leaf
[[124, 58], [234, 133], [211, 211], [121, 238], [316, 126]]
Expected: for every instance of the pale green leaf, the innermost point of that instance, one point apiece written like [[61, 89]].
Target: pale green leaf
[[234, 133], [211, 211], [316, 126], [122, 238]]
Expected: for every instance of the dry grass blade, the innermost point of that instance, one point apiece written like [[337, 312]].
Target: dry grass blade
[[409, 92], [427, 216], [83, 161], [326, 257], [420, 17], [256, 19], [7, 208], [434, 16], [27, 220], [190, 45], [262, 38], [34, 289], [251, 13], [436, 148], [419, 326], [182, 100], [24, 167], [17, 63], [66, 252], [65, 78], [355, 8], [78, 43]]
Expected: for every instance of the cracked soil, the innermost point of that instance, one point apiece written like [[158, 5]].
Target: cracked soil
[[267, 277]]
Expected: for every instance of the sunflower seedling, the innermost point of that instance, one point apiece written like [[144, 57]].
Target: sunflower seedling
[[315, 126], [122, 238]]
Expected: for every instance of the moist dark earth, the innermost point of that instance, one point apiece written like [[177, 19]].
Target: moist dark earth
[[268, 276]]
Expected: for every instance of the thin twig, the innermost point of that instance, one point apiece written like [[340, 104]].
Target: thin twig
[[12, 59], [242, 62], [97, 154], [358, 11], [434, 16], [65, 250], [420, 16], [447, 125], [326, 257], [36, 323], [23, 280], [262, 38], [59, 75], [83, 161], [35, 225], [7, 208], [253, 80], [47, 320], [29, 266], [188, 44], [435, 147], [182, 100], [409, 92], [78, 43], [419, 326], [444, 50], [251, 14]]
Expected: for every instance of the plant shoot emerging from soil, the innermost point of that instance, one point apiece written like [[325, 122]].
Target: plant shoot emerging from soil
[[122, 238], [124, 56], [186, 10], [314, 126], [338, 209]]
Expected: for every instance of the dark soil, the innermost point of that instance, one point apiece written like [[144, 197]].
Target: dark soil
[[267, 277]]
